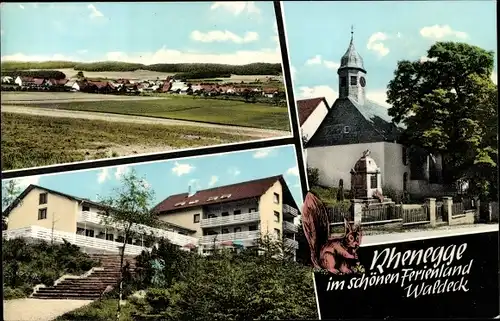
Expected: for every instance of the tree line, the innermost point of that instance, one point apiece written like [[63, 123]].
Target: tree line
[[205, 68], [46, 74]]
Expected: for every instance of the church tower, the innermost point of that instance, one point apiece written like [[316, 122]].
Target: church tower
[[352, 74]]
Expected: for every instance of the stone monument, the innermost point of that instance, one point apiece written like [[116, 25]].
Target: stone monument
[[366, 178]]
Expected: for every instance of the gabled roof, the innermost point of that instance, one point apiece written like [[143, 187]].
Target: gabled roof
[[32, 187], [229, 193], [376, 116], [307, 106]]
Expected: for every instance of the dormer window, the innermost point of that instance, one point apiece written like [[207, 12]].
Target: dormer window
[[193, 202], [212, 198], [225, 196], [347, 129], [180, 204]]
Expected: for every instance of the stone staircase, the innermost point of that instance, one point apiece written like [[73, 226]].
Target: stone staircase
[[90, 287]]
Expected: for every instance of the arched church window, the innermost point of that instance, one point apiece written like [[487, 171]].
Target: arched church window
[[343, 81], [405, 181], [354, 80], [405, 155]]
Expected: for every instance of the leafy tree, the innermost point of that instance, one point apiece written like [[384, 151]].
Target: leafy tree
[[312, 176], [10, 191], [449, 106], [129, 210]]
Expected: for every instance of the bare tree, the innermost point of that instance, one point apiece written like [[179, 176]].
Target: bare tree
[[129, 210]]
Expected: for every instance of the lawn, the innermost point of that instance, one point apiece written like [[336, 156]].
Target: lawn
[[30, 141], [188, 108]]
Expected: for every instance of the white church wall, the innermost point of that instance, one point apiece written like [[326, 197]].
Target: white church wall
[[394, 168], [312, 123], [335, 162]]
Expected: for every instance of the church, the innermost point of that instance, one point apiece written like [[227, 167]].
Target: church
[[353, 125]]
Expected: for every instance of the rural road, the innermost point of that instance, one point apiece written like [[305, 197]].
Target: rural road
[[418, 235], [235, 130], [39, 310]]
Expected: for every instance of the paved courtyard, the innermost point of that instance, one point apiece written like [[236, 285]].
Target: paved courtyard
[[39, 310]]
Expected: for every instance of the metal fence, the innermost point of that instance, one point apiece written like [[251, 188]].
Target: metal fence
[[379, 213], [336, 215], [415, 214], [457, 208]]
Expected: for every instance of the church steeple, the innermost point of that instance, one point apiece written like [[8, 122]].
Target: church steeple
[[352, 74]]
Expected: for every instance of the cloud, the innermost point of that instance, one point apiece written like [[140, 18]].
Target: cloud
[[213, 180], [330, 94], [375, 43], [234, 171], [318, 91], [293, 71], [94, 13], [331, 64], [316, 60], [223, 36], [21, 6], [293, 171], [121, 170], [236, 8], [263, 153], [425, 59], [181, 169], [145, 184], [194, 183], [399, 35], [494, 77], [442, 31], [23, 57], [102, 175]]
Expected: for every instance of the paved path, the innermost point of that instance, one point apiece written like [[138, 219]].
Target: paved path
[[243, 131], [39, 310], [428, 234]]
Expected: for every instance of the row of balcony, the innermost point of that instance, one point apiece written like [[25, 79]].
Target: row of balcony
[[245, 237], [240, 219], [173, 237]]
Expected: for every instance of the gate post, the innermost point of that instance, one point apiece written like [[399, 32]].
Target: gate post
[[357, 208], [430, 203]]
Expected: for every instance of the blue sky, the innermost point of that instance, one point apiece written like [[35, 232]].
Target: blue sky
[[166, 178], [235, 33], [318, 34]]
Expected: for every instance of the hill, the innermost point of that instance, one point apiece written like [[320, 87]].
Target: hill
[[187, 68]]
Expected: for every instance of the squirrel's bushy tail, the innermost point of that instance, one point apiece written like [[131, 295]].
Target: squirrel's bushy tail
[[316, 225]]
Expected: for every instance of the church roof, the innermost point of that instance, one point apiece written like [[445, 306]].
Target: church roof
[[378, 116], [351, 58]]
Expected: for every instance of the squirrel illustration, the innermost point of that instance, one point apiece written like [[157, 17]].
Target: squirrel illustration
[[337, 255]]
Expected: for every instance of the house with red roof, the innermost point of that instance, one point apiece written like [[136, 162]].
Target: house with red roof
[[235, 215], [311, 113]]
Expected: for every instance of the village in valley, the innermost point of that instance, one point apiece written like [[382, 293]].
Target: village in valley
[[269, 88]]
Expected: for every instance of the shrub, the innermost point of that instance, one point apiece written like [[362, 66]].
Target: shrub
[[313, 176], [10, 293]]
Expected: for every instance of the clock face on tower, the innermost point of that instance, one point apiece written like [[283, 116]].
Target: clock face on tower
[[362, 81]]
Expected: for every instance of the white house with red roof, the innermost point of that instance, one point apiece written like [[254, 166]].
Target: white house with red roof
[[311, 113], [235, 215]]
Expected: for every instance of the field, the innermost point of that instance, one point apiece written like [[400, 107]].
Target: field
[[151, 75], [188, 108], [30, 141]]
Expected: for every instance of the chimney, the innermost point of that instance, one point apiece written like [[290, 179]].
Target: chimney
[[190, 191]]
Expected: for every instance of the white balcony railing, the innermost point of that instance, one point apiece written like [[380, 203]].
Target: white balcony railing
[[238, 236], [85, 242], [291, 243], [290, 210], [175, 238], [290, 227], [230, 219]]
